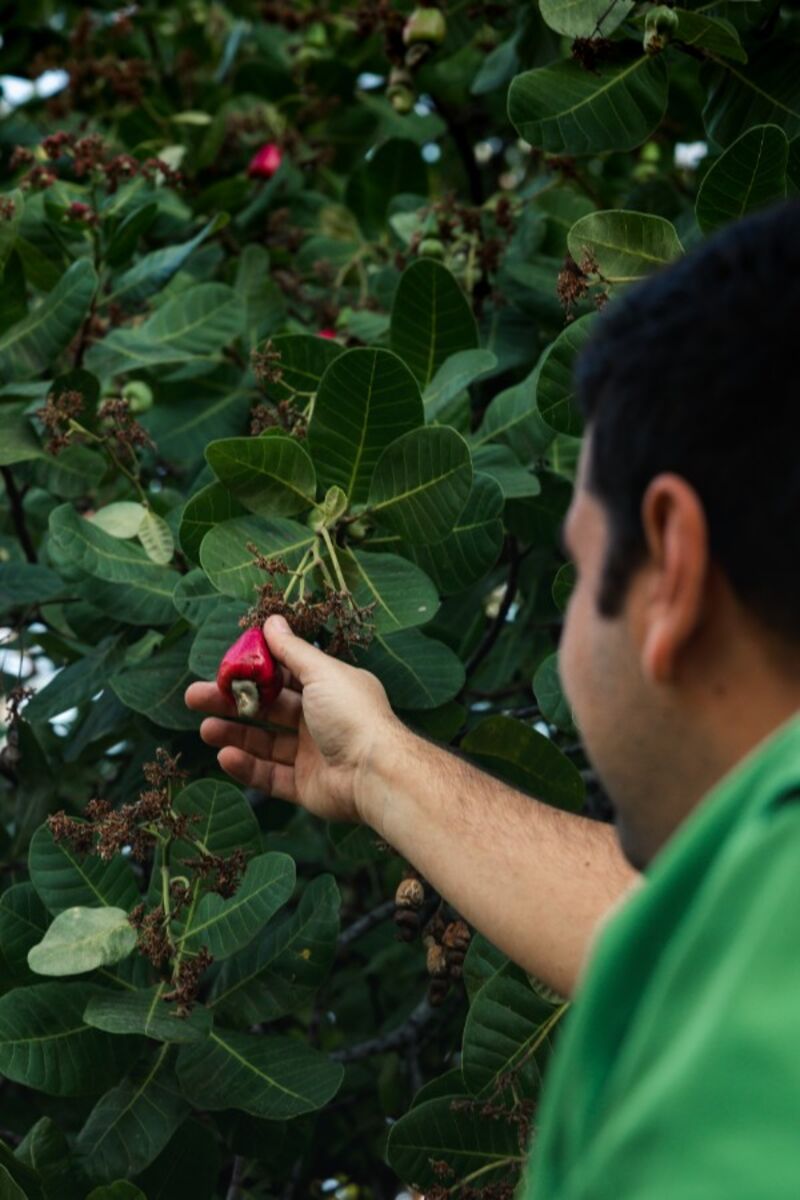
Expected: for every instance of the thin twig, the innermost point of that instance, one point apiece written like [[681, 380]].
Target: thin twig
[[18, 515], [237, 1176]]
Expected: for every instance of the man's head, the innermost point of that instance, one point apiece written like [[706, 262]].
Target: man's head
[[681, 646]]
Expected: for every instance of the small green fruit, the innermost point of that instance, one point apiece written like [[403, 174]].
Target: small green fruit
[[431, 248], [425, 25], [660, 25]]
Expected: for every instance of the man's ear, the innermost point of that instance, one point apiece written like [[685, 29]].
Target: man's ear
[[676, 533]]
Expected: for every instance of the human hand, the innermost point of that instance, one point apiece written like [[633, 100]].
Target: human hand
[[335, 718]]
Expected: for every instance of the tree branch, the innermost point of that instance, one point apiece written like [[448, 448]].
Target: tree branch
[[365, 923], [18, 515], [403, 1035], [237, 1177]]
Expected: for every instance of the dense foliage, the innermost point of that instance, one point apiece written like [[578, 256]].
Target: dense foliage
[[291, 295]]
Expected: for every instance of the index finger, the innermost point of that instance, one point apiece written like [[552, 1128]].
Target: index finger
[[207, 698]]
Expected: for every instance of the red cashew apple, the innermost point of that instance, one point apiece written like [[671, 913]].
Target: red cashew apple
[[265, 161], [248, 674], [327, 333]]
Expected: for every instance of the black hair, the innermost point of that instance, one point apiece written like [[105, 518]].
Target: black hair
[[692, 370]]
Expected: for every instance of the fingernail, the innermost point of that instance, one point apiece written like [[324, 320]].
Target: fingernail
[[278, 623]]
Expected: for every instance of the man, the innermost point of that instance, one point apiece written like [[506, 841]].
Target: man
[[678, 1072]]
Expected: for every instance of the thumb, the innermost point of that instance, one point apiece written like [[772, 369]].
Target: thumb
[[302, 660]]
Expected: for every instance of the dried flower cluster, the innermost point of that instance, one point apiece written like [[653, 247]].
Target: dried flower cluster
[[574, 281], [283, 415], [123, 429], [58, 411], [76, 157]]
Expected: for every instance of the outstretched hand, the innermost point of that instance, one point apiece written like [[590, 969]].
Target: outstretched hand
[[334, 718]]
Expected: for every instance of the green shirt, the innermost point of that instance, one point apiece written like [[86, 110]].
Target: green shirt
[[677, 1076]]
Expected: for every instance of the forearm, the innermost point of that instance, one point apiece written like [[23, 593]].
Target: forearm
[[533, 879]]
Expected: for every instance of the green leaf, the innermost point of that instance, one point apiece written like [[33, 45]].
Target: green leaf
[[210, 506], [483, 961], [132, 1123], [417, 671], [749, 175], [22, 1172], [13, 202], [126, 236], [766, 93], [402, 593], [229, 564], [74, 472], [38, 339], [217, 633], [18, 442], [156, 536], [563, 584], [74, 684], [707, 33], [465, 1139], [421, 483], [565, 109], [219, 817], [507, 1021], [281, 971], [472, 546], [584, 18], [121, 519], [226, 925], [431, 319], [82, 939], [396, 166], [184, 420], [265, 308], [501, 464], [23, 920], [456, 373], [555, 387], [143, 1011], [527, 759], [304, 359], [46, 1150], [624, 245], [148, 585], [196, 323], [550, 696], [64, 878], [151, 273], [366, 399], [194, 597], [271, 476], [9, 1190], [155, 687], [120, 1189], [27, 583], [268, 1076], [512, 417], [45, 1044]]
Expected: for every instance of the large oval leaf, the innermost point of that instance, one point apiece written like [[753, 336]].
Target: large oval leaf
[[217, 633], [566, 109], [585, 18], [272, 1077], [46, 1044], [749, 175], [421, 483], [366, 399], [36, 341], [304, 359], [82, 939], [766, 92], [623, 246], [271, 476], [555, 389], [417, 671], [471, 547], [23, 920], [403, 595], [210, 506], [155, 687], [143, 1011], [219, 817], [228, 563], [527, 759], [226, 925], [148, 585], [281, 971], [132, 1123], [513, 418], [431, 319], [63, 878], [444, 1130]]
